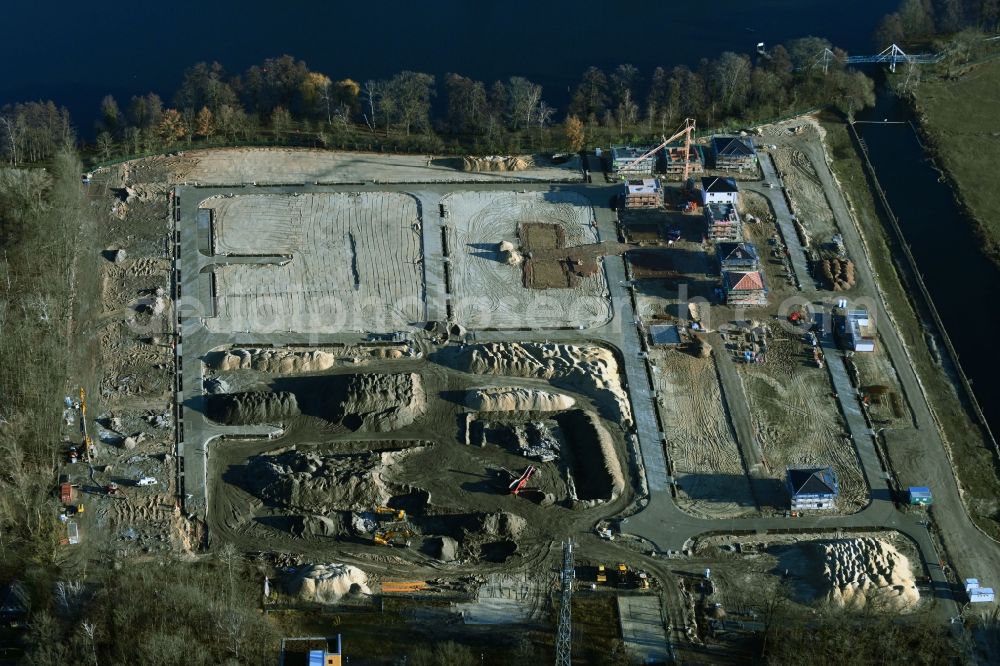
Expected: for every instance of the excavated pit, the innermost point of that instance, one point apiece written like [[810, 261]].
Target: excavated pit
[[597, 472]]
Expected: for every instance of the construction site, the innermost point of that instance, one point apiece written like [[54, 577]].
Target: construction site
[[488, 392]]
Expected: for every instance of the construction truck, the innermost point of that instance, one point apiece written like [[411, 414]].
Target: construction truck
[[393, 538], [622, 574], [602, 574]]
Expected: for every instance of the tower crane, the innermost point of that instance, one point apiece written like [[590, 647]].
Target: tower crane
[[88, 445], [687, 130]]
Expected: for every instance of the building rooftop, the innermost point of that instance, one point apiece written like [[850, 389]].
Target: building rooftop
[[732, 146], [812, 481], [643, 186], [736, 251], [719, 184], [740, 281], [721, 211], [627, 152]]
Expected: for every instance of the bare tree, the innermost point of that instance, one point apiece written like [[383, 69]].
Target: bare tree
[[543, 116], [371, 93], [12, 129], [89, 629], [523, 97]]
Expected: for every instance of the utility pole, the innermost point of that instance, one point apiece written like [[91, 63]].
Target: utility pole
[[564, 640]]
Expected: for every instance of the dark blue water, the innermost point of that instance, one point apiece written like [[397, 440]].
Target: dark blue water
[[77, 52], [962, 281]]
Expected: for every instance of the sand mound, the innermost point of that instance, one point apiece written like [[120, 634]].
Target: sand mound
[[321, 483], [509, 254], [581, 368], [252, 408], [277, 361], [838, 274], [327, 583], [514, 399], [503, 524], [382, 402], [861, 571], [497, 163]]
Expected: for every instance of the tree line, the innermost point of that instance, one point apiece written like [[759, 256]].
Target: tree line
[[917, 21], [283, 101]]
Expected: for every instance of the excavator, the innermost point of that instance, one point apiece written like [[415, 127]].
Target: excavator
[[393, 538], [518, 484], [398, 514]]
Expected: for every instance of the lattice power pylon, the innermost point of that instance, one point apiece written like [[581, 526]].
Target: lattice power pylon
[[564, 641]]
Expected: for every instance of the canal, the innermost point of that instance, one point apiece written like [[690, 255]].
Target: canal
[[959, 277]]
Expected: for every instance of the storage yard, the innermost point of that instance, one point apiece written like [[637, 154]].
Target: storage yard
[[413, 379]]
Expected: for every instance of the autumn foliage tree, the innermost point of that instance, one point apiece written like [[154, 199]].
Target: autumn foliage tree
[[573, 131], [205, 123], [171, 127]]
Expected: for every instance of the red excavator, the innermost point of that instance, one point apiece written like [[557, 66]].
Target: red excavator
[[518, 484]]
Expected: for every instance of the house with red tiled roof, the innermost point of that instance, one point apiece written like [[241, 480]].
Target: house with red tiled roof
[[744, 288]]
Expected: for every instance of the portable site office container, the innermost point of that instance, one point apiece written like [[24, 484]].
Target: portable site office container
[[920, 496]]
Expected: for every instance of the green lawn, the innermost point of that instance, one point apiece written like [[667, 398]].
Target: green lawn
[[962, 117]]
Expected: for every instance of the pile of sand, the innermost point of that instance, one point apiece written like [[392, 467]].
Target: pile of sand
[[859, 571], [509, 254], [277, 361], [516, 399], [252, 408], [322, 483], [838, 273], [503, 525], [380, 403], [327, 583], [581, 368], [497, 163]]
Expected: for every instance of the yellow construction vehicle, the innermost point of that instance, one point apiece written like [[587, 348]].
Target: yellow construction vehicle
[[394, 538], [643, 580], [399, 514], [602, 574], [622, 574]]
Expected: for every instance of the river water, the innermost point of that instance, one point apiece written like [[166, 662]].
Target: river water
[[75, 53], [960, 278]]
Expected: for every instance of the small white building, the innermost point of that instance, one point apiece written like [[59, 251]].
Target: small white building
[[860, 331], [977, 594], [715, 189]]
